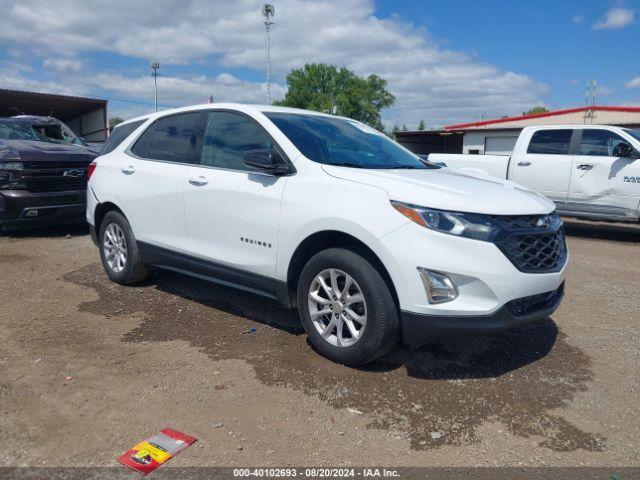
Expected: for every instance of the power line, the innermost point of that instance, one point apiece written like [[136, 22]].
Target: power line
[[138, 102]]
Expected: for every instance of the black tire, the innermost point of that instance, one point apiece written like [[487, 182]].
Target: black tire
[[134, 270], [381, 332]]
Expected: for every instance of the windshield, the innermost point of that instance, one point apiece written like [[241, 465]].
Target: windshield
[[634, 133], [45, 132], [56, 133], [11, 130], [342, 142]]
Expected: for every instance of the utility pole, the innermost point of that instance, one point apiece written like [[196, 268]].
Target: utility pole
[[590, 93], [268, 11], [155, 66]]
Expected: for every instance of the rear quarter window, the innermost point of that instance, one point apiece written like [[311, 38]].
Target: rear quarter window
[[118, 135], [141, 147], [551, 142]]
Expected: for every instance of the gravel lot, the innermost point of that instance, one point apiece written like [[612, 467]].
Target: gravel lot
[[88, 368]]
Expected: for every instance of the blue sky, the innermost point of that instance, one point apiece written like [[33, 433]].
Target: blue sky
[[551, 41], [446, 62]]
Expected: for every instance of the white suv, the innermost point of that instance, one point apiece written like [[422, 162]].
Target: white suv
[[325, 214]]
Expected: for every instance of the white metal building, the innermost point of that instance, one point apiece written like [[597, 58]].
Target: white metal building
[[499, 136]]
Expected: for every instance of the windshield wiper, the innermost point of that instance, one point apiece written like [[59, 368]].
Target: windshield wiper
[[346, 164], [404, 167]]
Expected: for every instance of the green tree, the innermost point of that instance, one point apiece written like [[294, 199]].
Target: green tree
[[404, 128], [538, 109], [421, 125], [113, 121], [327, 88]]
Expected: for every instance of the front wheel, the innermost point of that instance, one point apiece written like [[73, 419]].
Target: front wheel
[[346, 307]]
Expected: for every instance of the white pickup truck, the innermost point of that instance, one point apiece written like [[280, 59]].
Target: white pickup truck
[[589, 171]]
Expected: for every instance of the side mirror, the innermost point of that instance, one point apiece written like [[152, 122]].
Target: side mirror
[[624, 150], [266, 160]]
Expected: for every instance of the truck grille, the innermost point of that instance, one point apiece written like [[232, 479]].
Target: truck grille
[[44, 177], [533, 243]]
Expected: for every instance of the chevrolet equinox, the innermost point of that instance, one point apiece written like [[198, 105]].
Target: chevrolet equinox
[[370, 243]]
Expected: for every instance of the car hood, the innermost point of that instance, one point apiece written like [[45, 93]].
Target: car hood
[[449, 190], [36, 150]]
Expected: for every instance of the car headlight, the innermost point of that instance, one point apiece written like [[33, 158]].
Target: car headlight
[[470, 225]]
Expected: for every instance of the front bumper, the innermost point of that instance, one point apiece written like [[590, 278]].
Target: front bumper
[[418, 329], [18, 207], [486, 280]]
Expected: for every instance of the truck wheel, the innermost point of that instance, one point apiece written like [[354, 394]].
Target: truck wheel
[[346, 307], [119, 250]]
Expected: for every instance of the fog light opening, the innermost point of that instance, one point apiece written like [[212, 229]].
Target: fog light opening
[[438, 286]]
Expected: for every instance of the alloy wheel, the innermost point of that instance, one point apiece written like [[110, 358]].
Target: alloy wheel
[[114, 247], [337, 307]]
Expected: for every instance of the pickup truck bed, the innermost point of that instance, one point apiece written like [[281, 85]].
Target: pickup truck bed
[[494, 165], [589, 171]]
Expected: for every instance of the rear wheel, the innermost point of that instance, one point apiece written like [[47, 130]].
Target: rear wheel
[[119, 250], [346, 307]]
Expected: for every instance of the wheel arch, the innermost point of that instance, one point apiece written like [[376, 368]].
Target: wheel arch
[[323, 240], [101, 210]]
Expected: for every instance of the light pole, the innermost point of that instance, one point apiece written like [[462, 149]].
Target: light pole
[[155, 66], [268, 11]]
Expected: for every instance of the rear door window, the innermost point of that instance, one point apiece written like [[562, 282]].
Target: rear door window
[[599, 143], [118, 134], [551, 142], [174, 138]]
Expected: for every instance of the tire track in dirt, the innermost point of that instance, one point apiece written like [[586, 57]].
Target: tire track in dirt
[[439, 394]]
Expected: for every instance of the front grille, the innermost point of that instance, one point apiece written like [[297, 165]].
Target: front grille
[[536, 253], [534, 303], [53, 184], [519, 222], [45, 177], [533, 243]]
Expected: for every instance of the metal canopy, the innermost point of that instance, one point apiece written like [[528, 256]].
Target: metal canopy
[[63, 107]]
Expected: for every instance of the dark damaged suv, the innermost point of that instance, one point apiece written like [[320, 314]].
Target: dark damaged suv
[[43, 173]]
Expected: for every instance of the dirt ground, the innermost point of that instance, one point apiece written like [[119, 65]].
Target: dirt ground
[[88, 368]]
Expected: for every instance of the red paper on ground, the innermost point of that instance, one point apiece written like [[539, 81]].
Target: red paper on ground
[[149, 454]]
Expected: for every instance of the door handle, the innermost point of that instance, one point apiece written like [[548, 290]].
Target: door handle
[[585, 166], [524, 164], [128, 170], [198, 181]]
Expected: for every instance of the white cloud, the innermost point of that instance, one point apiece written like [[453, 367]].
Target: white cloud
[[63, 65], [184, 91], [614, 19], [432, 83], [578, 19], [13, 76], [633, 83]]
